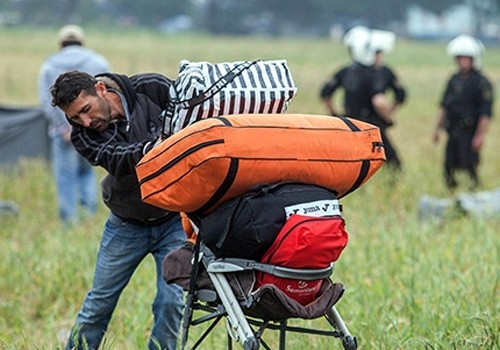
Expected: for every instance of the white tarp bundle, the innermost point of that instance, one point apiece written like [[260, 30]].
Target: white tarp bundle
[[482, 204]]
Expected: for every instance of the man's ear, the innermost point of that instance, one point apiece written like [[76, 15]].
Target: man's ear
[[101, 88]]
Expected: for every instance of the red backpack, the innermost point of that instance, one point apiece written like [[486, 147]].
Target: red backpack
[[304, 242]]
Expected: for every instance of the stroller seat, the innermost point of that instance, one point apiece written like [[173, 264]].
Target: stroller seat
[[225, 288]]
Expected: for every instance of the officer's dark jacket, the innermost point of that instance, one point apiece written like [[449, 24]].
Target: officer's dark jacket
[[360, 85], [465, 99]]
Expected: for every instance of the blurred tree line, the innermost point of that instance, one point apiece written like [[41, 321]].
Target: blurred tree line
[[278, 17]]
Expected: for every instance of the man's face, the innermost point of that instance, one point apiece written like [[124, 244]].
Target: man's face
[[379, 59], [464, 63], [90, 111]]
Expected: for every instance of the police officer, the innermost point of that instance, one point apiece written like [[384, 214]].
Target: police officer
[[365, 83], [465, 111]]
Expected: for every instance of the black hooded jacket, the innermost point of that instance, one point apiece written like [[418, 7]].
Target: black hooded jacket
[[123, 144], [360, 84]]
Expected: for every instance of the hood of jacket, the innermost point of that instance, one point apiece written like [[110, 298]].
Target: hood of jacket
[[73, 57], [126, 88]]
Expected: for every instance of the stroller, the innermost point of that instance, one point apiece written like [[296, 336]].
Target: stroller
[[231, 154], [225, 289]]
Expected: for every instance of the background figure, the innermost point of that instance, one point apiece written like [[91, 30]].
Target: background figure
[[465, 111], [116, 120], [75, 178], [365, 83]]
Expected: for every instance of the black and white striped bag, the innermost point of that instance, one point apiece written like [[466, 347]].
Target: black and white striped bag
[[203, 90]]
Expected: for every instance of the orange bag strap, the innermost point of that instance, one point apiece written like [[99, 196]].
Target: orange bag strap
[[188, 228]]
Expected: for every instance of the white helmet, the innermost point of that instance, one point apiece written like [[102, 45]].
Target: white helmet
[[358, 41], [383, 40], [353, 33], [466, 45], [363, 43]]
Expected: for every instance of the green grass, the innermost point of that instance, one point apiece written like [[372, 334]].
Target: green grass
[[409, 284]]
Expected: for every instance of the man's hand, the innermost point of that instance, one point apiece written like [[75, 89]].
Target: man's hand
[[436, 135], [384, 108], [66, 136]]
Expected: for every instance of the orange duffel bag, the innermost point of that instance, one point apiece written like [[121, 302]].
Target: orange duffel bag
[[217, 159]]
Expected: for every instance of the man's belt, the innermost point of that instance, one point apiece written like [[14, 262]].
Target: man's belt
[[466, 123], [149, 222]]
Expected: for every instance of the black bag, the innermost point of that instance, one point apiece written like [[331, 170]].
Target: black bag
[[245, 227]]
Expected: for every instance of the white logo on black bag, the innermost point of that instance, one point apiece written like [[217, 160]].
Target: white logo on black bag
[[327, 207]]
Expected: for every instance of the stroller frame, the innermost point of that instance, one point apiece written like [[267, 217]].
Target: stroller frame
[[223, 303]]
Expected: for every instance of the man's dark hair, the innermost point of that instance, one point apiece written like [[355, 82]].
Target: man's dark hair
[[71, 42], [69, 85]]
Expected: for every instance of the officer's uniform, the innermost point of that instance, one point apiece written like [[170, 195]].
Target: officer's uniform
[[465, 100]]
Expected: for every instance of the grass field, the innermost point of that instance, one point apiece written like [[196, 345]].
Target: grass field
[[410, 284]]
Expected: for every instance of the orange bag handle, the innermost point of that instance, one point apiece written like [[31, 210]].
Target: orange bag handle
[[188, 228]]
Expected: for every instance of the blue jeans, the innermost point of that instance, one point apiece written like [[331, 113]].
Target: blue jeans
[[123, 247], [75, 180]]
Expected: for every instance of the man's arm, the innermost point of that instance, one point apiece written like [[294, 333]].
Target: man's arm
[[441, 119], [399, 94], [485, 116], [109, 150], [482, 127], [397, 88], [328, 90], [442, 113], [329, 105]]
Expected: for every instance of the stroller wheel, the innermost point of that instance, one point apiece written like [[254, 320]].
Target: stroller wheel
[[350, 343]]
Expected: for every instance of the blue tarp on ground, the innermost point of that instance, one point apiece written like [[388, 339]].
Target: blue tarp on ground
[[23, 134]]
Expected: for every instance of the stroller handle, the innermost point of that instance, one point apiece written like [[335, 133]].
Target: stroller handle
[[235, 264]]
